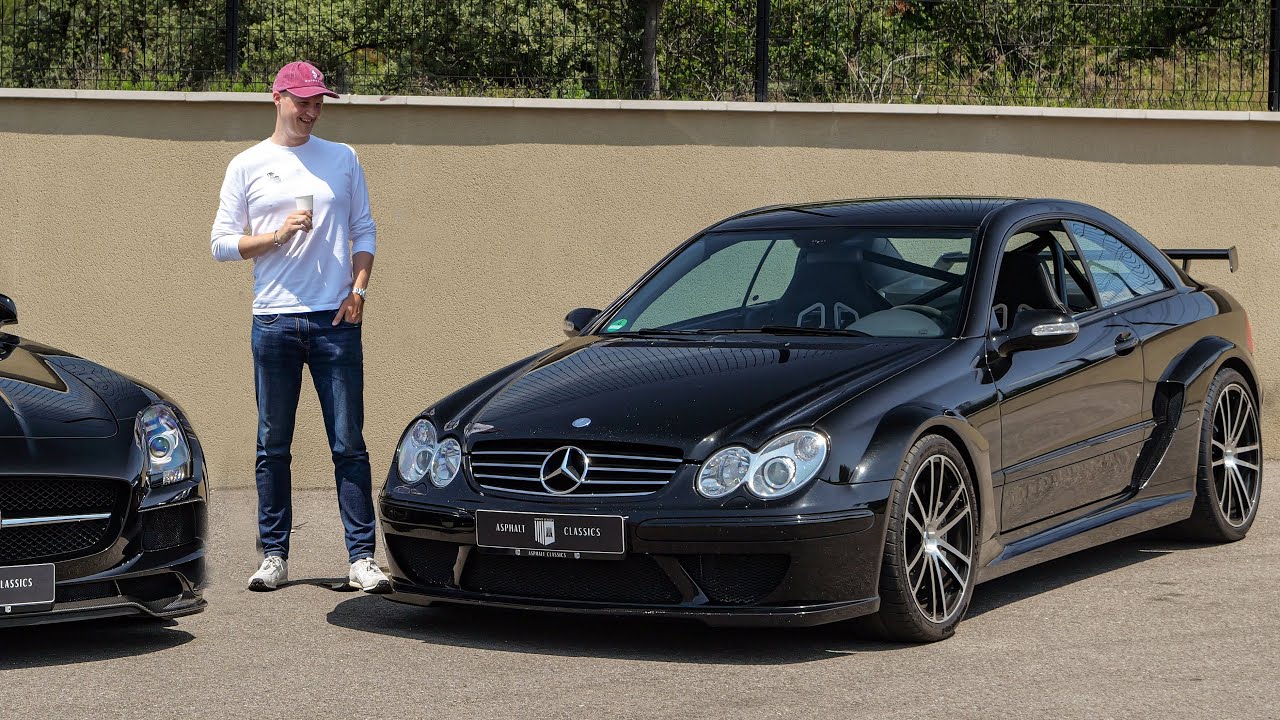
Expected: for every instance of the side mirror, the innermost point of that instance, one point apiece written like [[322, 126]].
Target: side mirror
[[578, 319], [1036, 329], [8, 310]]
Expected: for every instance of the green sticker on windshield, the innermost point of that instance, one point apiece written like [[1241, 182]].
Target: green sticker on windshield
[[616, 325]]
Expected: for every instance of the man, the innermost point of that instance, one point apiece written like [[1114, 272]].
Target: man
[[298, 207]]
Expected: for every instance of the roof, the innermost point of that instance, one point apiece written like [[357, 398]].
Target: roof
[[909, 211]]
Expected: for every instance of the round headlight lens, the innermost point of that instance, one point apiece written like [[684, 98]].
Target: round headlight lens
[[417, 452], [778, 472], [448, 460], [787, 463], [723, 472], [159, 433]]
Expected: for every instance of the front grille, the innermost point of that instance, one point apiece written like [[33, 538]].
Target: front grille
[[86, 591], [424, 562], [636, 579], [152, 587], [736, 579], [47, 496], [168, 527], [26, 543], [613, 470]]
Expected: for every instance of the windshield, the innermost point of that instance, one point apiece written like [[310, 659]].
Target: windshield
[[883, 282]]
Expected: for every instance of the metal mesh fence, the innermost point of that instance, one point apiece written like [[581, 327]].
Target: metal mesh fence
[[1100, 53]]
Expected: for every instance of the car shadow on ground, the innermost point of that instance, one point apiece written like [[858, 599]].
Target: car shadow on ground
[[1073, 568], [667, 640], [86, 641]]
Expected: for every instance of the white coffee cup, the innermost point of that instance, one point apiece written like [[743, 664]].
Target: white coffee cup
[[305, 202]]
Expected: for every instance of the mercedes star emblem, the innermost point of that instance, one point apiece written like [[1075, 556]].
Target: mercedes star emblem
[[564, 470]]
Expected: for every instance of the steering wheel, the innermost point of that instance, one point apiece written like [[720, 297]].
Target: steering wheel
[[932, 313]]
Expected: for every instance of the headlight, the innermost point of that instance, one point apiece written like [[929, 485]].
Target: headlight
[[723, 472], [448, 459], [784, 465], [166, 457], [417, 453]]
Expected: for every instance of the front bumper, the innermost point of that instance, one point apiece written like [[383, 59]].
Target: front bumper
[[777, 570], [155, 568]]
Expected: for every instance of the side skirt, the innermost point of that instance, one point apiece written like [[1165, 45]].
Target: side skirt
[[1102, 527]]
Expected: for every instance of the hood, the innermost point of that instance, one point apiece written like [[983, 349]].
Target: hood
[[686, 391], [46, 393]]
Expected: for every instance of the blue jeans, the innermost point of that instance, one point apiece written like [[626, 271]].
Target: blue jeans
[[282, 344]]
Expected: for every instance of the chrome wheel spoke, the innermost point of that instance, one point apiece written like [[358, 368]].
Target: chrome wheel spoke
[[943, 544], [952, 503], [942, 586], [930, 567], [914, 560], [916, 523], [964, 512], [1216, 463], [1219, 446], [1249, 465], [1245, 497], [1247, 448], [935, 488], [951, 569], [924, 515]]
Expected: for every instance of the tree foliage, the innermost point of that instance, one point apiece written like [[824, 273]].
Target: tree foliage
[[1186, 53]]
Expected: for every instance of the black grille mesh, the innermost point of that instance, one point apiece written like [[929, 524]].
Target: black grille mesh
[[424, 562], [736, 579], [635, 579], [44, 496], [168, 527], [151, 587], [39, 542], [86, 591]]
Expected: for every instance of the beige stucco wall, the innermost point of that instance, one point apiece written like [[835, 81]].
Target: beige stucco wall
[[496, 218]]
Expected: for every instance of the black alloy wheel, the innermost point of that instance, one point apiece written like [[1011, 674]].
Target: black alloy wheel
[[927, 572], [1229, 476]]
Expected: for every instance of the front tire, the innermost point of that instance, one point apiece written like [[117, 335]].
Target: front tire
[[1229, 472], [927, 572]]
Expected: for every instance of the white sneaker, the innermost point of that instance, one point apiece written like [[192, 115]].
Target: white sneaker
[[274, 571], [367, 576]]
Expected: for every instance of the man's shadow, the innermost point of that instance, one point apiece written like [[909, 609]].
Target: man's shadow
[[87, 641], [666, 640]]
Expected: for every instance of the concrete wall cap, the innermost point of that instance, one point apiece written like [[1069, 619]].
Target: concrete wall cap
[[660, 105]]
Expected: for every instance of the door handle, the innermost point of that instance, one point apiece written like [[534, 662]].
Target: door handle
[[1126, 342]]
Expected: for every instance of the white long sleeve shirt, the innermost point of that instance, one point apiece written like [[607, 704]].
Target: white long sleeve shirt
[[312, 271]]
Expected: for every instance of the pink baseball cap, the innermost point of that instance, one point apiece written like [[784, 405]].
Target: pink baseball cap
[[301, 79]]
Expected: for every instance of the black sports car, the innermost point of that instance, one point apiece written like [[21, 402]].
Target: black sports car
[[102, 492], [816, 412]]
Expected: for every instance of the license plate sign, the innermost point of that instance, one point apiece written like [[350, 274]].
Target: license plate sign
[[24, 588], [551, 533]]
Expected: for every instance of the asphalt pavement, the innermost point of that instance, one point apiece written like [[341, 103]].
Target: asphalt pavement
[[1143, 628]]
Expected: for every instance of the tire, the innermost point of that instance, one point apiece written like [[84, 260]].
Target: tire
[[933, 500], [1228, 479]]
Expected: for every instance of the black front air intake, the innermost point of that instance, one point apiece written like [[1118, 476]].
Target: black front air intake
[[636, 579]]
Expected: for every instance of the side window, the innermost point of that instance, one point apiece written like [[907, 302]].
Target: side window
[[1078, 298], [1039, 271], [1118, 272], [717, 284]]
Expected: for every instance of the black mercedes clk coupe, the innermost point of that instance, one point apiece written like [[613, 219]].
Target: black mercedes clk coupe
[[102, 492], [855, 409]]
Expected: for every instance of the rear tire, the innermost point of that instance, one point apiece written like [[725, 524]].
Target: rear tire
[[927, 571], [1229, 472]]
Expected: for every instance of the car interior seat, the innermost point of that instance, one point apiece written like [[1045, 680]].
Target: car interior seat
[[827, 291], [1023, 283]]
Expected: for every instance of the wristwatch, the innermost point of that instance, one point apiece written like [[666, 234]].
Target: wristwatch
[[359, 291]]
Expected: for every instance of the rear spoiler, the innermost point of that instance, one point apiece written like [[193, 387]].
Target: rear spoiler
[[1186, 255]]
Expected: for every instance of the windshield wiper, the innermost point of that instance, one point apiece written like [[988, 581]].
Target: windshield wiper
[[653, 331], [793, 330]]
